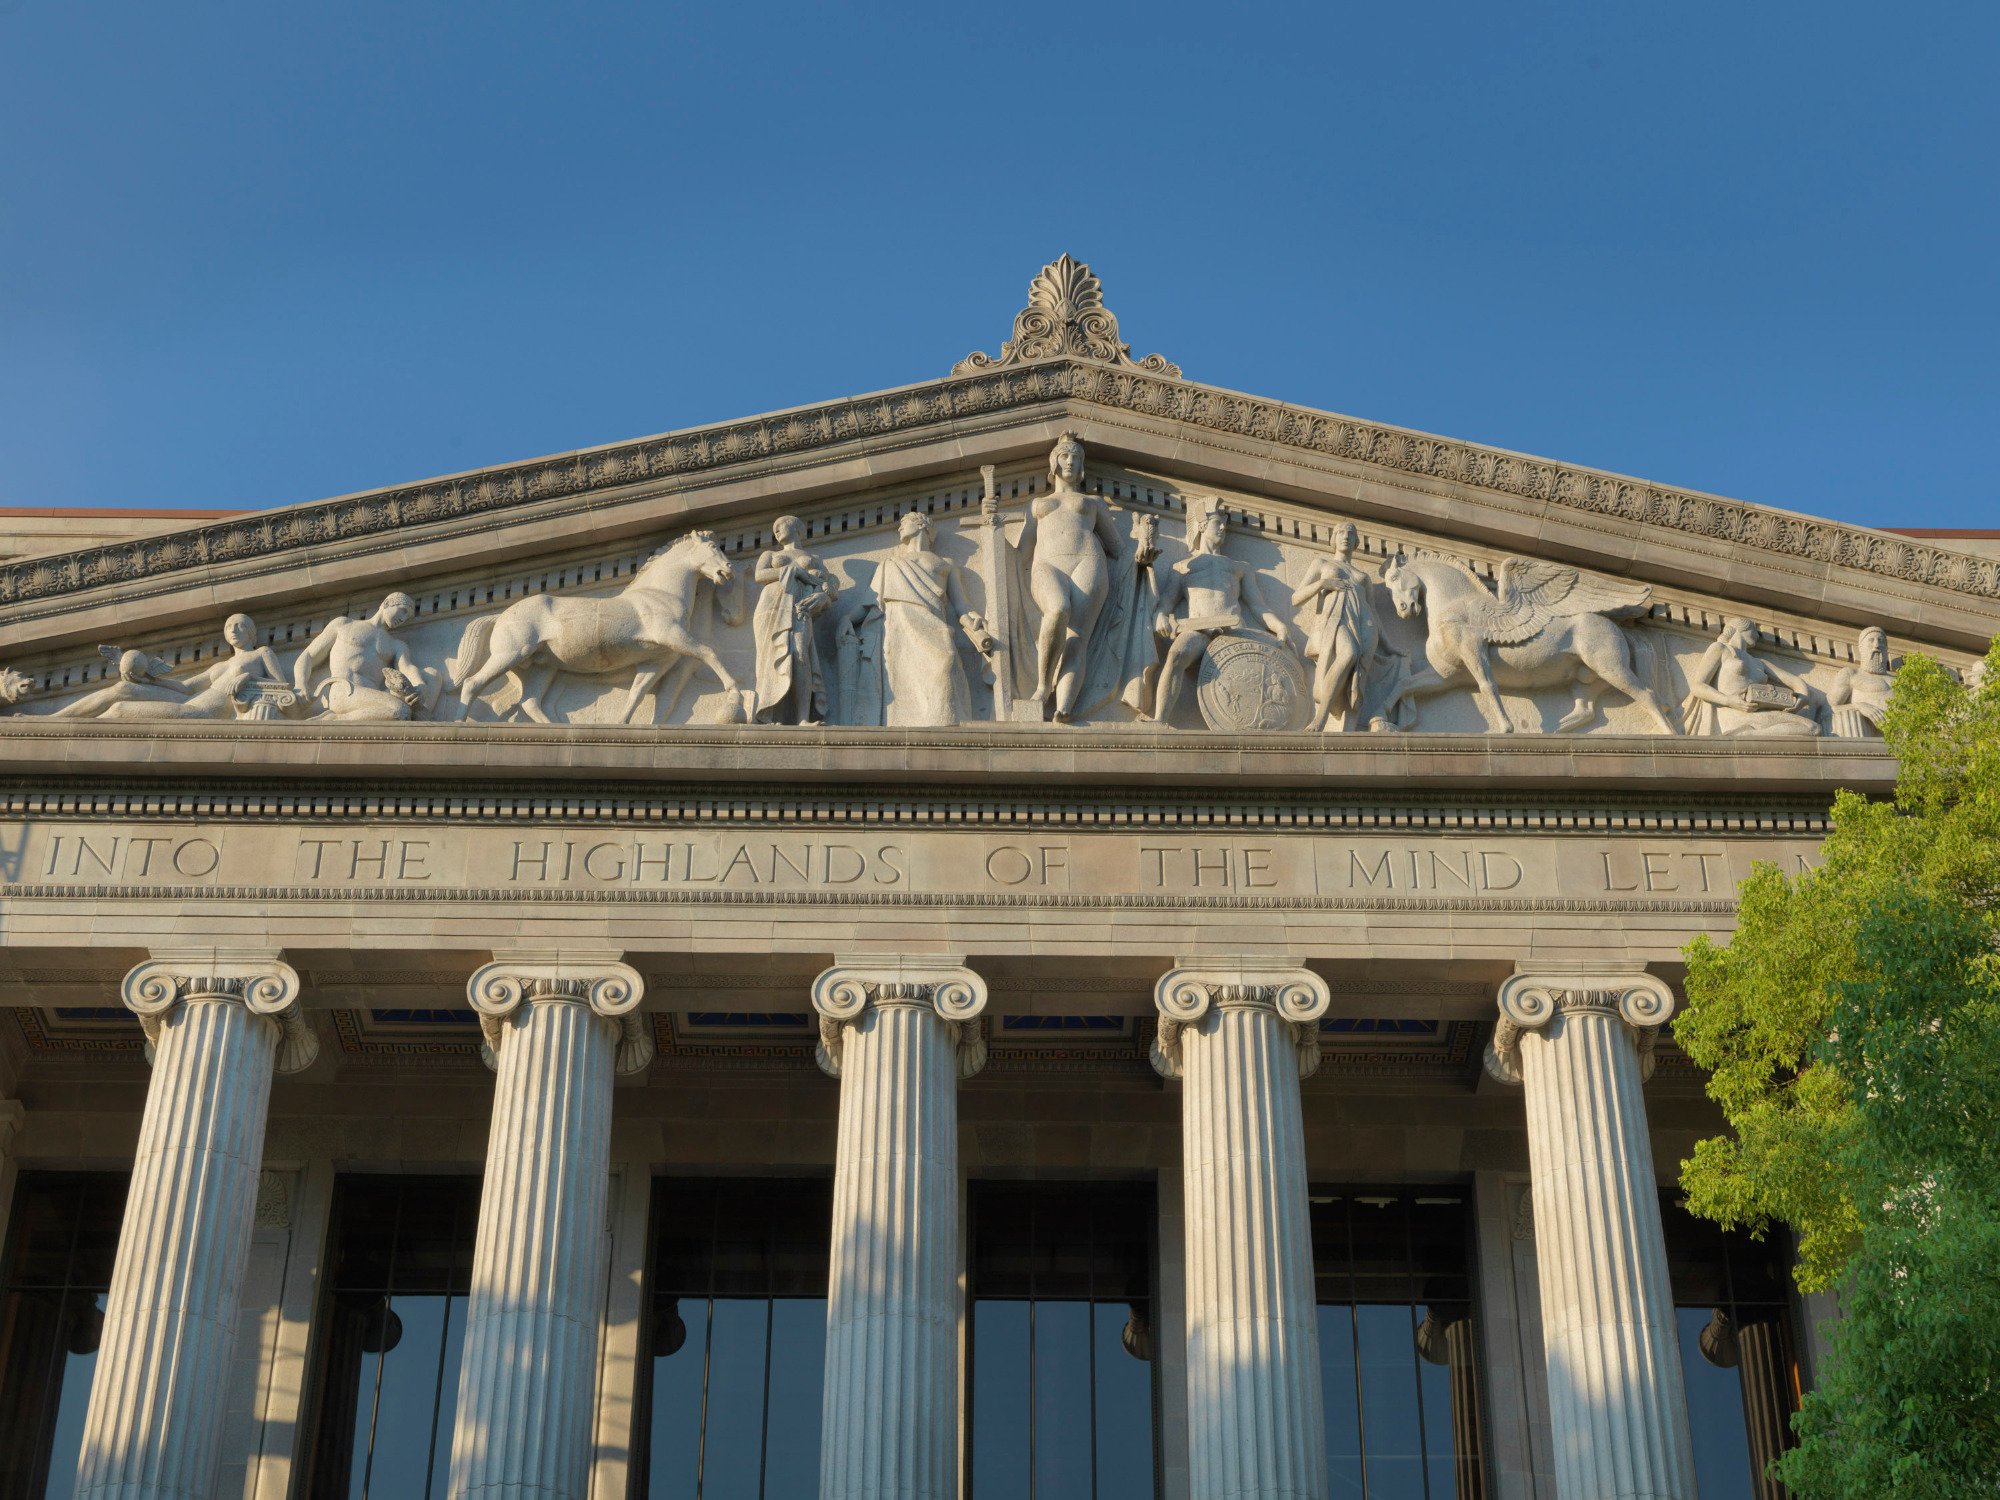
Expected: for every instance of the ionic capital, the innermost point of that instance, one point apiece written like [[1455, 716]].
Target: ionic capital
[[610, 989], [262, 984], [1530, 999], [958, 996], [1185, 994]]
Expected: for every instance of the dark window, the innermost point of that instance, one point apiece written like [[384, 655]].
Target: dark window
[[1062, 1342], [1732, 1301], [390, 1328], [1399, 1364], [736, 1340], [63, 1239]]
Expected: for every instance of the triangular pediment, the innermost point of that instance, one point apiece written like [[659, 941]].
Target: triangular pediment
[[1661, 570]]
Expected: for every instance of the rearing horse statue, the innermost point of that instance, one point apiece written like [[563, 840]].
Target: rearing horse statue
[[650, 626], [1543, 625]]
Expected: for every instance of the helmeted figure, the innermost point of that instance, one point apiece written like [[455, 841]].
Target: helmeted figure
[[1219, 595]]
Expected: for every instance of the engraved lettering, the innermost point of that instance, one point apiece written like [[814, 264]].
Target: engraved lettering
[[379, 859], [411, 857], [143, 846], [1008, 865], [1357, 874], [664, 860], [860, 867], [521, 858], [740, 857], [1610, 884], [888, 854], [195, 858], [1486, 870], [617, 870], [1257, 869], [1659, 874]]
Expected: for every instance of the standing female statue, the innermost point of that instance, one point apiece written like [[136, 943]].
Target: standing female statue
[[1072, 550], [1342, 638], [1732, 692], [797, 590]]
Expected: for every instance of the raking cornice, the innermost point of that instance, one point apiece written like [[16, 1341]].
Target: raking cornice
[[1819, 557]]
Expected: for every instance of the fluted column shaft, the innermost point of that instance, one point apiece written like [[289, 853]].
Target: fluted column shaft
[[528, 1373], [1240, 1039], [1617, 1407], [215, 1034], [899, 1038]]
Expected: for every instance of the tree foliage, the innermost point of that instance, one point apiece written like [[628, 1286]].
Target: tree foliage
[[1852, 1030]]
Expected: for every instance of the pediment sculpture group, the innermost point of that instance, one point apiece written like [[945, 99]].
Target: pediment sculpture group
[[1079, 611]]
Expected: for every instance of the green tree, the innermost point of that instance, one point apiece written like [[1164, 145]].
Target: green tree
[[1852, 1032]]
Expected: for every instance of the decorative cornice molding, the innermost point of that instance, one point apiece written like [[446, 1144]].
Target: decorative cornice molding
[[814, 807], [1066, 315], [265, 987], [1185, 994], [958, 995], [393, 518], [611, 989], [1529, 1001]]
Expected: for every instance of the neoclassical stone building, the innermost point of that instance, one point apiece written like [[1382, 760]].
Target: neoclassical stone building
[[1054, 932]]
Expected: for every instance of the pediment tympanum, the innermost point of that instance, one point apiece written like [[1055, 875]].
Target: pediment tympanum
[[1061, 534]]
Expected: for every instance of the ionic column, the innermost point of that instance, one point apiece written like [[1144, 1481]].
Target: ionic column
[[555, 1033], [216, 1029], [1581, 1043], [899, 1035], [1240, 1037]]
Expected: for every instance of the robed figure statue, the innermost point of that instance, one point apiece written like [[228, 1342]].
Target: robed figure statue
[[797, 590]]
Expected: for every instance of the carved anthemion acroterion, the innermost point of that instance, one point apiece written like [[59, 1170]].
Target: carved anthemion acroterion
[[1066, 315], [1059, 601]]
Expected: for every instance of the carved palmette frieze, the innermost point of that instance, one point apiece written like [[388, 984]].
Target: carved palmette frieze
[[265, 987], [1184, 996], [1529, 1002], [842, 993], [610, 989]]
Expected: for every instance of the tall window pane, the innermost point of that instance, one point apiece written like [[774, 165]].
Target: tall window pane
[[391, 1327], [1399, 1367], [57, 1268], [1739, 1357], [1062, 1373], [736, 1353]]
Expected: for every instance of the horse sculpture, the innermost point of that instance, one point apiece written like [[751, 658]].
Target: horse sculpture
[[651, 626], [1543, 625]]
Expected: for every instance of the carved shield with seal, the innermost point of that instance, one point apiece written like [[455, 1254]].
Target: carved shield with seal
[[1249, 682]]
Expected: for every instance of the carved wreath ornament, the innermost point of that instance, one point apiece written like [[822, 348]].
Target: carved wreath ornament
[[1066, 315]]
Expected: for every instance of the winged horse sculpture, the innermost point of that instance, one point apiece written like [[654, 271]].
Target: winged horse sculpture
[[1541, 625]]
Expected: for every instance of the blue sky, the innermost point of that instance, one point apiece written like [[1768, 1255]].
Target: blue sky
[[257, 253]]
